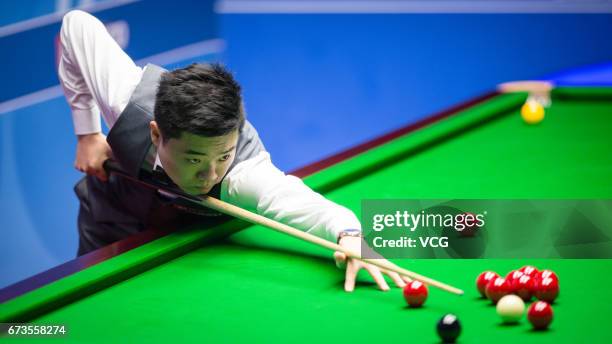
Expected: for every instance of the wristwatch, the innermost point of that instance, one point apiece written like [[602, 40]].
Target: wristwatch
[[350, 232]]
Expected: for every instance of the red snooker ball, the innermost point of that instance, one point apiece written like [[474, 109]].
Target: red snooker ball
[[547, 289], [498, 288], [513, 276], [524, 287], [415, 293], [548, 274], [540, 315], [529, 270], [484, 279]]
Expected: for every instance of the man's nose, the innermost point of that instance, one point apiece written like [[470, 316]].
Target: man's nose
[[207, 174]]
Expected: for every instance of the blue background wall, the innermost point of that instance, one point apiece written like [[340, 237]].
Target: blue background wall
[[320, 72], [314, 84], [38, 208]]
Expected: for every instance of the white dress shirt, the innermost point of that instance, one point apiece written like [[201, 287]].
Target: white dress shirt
[[99, 77]]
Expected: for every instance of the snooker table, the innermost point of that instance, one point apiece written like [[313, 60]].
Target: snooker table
[[239, 283]]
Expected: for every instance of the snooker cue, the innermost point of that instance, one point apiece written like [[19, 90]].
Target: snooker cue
[[229, 209]]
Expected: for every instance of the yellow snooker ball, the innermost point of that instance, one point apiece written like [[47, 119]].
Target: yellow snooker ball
[[532, 112]]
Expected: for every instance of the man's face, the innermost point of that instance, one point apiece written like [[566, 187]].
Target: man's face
[[195, 163]]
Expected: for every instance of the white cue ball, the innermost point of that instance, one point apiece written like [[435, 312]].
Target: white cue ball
[[510, 308]]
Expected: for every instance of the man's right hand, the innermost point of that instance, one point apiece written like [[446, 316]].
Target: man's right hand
[[92, 151]]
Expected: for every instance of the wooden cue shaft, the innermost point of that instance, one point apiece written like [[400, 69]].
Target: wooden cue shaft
[[248, 216], [223, 207]]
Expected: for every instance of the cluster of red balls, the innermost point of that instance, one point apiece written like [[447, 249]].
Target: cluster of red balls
[[527, 282]]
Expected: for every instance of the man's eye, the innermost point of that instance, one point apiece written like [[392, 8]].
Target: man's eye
[[225, 157], [194, 161]]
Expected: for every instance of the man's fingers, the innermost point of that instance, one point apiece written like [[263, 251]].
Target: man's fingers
[[101, 174], [397, 279], [92, 170], [351, 274], [400, 281], [78, 167], [340, 259], [378, 277]]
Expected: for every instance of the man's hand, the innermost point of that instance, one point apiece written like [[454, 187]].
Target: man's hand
[[92, 151], [353, 266]]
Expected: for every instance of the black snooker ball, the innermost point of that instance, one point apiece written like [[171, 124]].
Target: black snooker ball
[[449, 328]]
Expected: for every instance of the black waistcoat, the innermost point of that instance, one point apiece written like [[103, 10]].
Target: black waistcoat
[[122, 201]]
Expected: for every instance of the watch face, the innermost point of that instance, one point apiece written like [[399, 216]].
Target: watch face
[[350, 232]]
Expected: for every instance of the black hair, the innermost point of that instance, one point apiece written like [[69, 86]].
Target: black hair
[[199, 99]]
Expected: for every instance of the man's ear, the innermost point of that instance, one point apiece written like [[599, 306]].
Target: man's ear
[[156, 137]]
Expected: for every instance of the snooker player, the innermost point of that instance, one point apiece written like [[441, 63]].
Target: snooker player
[[185, 128]]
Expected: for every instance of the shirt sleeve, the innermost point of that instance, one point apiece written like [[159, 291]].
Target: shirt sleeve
[[95, 73], [257, 185]]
